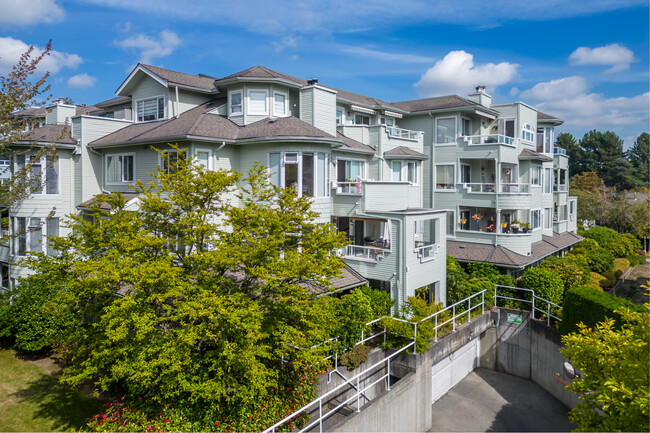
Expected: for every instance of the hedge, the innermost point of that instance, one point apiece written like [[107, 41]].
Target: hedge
[[591, 306]]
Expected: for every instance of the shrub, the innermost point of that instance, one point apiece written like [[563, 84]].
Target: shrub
[[584, 247], [611, 279], [597, 281], [505, 280], [571, 274], [483, 270], [621, 245], [621, 265], [600, 260], [591, 306], [471, 286], [357, 308], [637, 260], [545, 283], [356, 356]]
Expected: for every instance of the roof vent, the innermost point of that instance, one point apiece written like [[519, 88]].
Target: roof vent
[[480, 88], [312, 81], [273, 119]]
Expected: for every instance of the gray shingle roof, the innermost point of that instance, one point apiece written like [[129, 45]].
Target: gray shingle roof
[[500, 256], [181, 78], [403, 152], [31, 111], [354, 145], [99, 199], [541, 115], [280, 127], [529, 154], [437, 103], [119, 100], [59, 134], [262, 72]]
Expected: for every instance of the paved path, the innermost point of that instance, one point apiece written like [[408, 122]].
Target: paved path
[[487, 401]]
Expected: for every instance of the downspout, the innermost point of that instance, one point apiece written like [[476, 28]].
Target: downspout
[[381, 168], [177, 104], [223, 143]]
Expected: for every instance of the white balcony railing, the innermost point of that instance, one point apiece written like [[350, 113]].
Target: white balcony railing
[[349, 188], [405, 134], [362, 252], [515, 188], [559, 151], [426, 252], [480, 188], [561, 187], [476, 140]]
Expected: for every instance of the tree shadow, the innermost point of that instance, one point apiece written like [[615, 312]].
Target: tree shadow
[[65, 406]]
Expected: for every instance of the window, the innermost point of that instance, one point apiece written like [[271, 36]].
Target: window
[[257, 102], [120, 168], [467, 126], [446, 130], [306, 173], [528, 134], [548, 219], [360, 119], [506, 127], [52, 229], [548, 180], [51, 175], [29, 234], [204, 158], [535, 175], [572, 210], [396, 171], [451, 223], [405, 171], [445, 177], [348, 170], [36, 174], [465, 171], [535, 219], [279, 104], [150, 109], [43, 180], [426, 235], [388, 121], [339, 116], [412, 172], [235, 106], [5, 168], [169, 160], [4, 269]]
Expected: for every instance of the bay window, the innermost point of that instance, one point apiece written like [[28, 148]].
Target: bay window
[[446, 130], [548, 180], [536, 175], [235, 106], [280, 104], [536, 219], [150, 109], [120, 168], [304, 172], [445, 177], [257, 102]]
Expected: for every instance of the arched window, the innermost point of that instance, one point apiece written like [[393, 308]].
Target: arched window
[[528, 133]]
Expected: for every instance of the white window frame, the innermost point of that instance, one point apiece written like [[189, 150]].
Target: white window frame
[[121, 182], [547, 180], [344, 159], [435, 132], [435, 177], [241, 105], [286, 104], [548, 219], [460, 173], [416, 170], [384, 120], [354, 119], [43, 164], [160, 158], [462, 126], [404, 171], [451, 222], [164, 113], [572, 209], [28, 234], [342, 111], [299, 155], [209, 152], [525, 132], [539, 175], [541, 219], [266, 103]]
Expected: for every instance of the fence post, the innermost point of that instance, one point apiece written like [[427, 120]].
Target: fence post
[[495, 295], [469, 310], [320, 415], [358, 395], [453, 318], [548, 313], [436, 329], [388, 375], [533, 305], [483, 299]]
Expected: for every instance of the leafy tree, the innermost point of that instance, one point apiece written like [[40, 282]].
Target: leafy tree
[[600, 260], [572, 274], [546, 284], [192, 300], [639, 157], [614, 365]]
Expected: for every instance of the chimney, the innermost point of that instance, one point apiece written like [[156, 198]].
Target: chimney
[[59, 113], [480, 97]]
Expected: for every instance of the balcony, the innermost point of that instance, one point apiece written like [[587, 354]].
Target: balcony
[[480, 188], [364, 253], [559, 151], [490, 139], [425, 250], [404, 134], [515, 188], [349, 188], [379, 135], [560, 188]]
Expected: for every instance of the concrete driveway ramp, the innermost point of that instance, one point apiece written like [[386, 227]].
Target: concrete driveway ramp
[[487, 401]]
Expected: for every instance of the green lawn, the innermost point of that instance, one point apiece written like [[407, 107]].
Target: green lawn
[[32, 400]]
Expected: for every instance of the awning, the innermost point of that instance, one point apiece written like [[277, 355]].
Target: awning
[[362, 109], [392, 114]]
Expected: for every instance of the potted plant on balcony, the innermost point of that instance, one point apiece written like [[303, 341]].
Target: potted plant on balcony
[[490, 228], [515, 225], [525, 227]]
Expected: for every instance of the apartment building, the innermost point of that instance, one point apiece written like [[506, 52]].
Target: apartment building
[[408, 182]]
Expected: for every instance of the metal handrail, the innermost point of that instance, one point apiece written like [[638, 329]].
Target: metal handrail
[[533, 307]]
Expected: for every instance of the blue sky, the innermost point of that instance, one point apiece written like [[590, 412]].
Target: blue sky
[[585, 62]]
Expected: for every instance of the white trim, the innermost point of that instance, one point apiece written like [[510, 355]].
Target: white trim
[[462, 121], [146, 71], [209, 152], [541, 219], [435, 131], [342, 110], [122, 182], [435, 178], [539, 176], [135, 110], [234, 92], [266, 103], [286, 103], [460, 173], [532, 131]]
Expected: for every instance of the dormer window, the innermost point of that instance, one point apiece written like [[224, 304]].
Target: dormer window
[[257, 102], [280, 104], [150, 109], [235, 106]]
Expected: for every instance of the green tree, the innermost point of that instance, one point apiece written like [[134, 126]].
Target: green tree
[[614, 368], [192, 300], [639, 157], [602, 152]]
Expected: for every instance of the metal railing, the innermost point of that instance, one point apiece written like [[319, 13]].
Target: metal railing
[[349, 188], [515, 188], [534, 301], [405, 134], [362, 252], [477, 140], [559, 187], [319, 405], [480, 188], [559, 151], [426, 251]]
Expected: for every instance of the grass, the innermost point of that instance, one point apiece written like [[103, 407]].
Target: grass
[[32, 399]]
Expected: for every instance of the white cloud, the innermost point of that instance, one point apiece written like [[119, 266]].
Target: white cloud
[[456, 73], [616, 55], [563, 87], [149, 47], [28, 12], [81, 81], [288, 41], [11, 49], [387, 56]]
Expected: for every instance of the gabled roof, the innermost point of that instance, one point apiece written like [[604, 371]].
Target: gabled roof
[[437, 103], [351, 145], [262, 73], [501, 256], [529, 154], [547, 118], [31, 112], [57, 134], [364, 100], [99, 200], [167, 77], [403, 152], [118, 100], [199, 124]]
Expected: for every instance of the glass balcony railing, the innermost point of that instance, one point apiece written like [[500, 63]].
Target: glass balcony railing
[[349, 188], [559, 151], [475, 140], [362, 252], [405, 134], [480, 188], [515, 188]]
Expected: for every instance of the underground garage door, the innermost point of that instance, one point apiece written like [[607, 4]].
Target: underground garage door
[[447, 372]]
